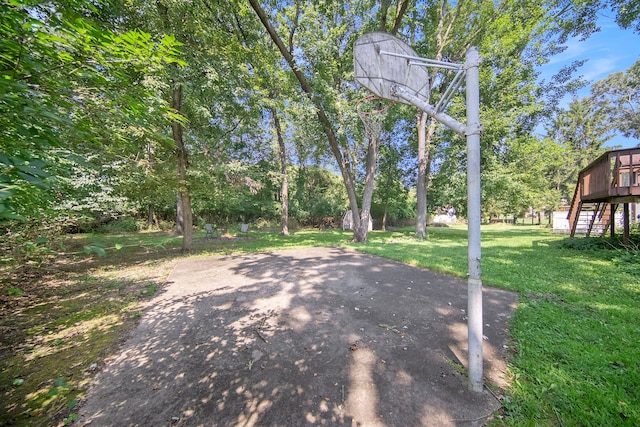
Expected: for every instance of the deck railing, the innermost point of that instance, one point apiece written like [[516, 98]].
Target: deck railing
[[613, 174]]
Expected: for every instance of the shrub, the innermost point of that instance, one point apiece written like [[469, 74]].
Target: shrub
[[125, 224], [164, 225], [598, 243]]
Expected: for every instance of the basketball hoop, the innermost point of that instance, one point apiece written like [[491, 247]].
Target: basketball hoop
[[372, 111], [378, 66], [392, 70]]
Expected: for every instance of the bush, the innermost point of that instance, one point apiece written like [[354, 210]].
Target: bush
[[125, 224], [164, 225], [29, 242], [585, 243], [598, 242], [627, 261]]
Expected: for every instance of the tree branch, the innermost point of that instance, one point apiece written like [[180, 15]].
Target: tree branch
[[294, 27], [402, 9], [384, 10]]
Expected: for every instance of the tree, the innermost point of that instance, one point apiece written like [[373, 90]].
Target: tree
[[95, 84], [68, 88], [284, 189], [508, 106], [581, 130], [511, 99], [442, 17], [627, 13], [421, 181], [322, 79], [210, 94], [390, 198], [321, 113], [579, 16], [372, 131], [618, 96]]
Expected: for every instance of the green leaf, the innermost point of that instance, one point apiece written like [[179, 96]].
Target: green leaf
[[5, 160], [30, 178], [89, 249], [18, 381], [33, 169], [7, 215]]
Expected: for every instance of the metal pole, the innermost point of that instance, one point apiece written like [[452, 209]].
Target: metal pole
[[441, 117], [423, 61], [474, 289]]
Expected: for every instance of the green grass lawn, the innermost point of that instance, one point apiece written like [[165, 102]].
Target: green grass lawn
[[575, 336], [576, 331]]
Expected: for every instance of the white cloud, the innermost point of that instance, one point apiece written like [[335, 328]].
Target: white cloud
[[575, 50], [599, 68]]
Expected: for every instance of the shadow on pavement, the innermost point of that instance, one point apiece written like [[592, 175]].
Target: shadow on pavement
[[321, 336]]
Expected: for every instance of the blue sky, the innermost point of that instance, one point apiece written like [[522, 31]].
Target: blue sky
[[607, 51]]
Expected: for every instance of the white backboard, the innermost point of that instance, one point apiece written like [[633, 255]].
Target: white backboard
[[377, 69]]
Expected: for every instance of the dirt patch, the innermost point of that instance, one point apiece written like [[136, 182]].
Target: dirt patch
[[320, 336]]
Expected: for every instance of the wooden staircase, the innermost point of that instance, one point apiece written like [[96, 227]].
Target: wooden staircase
[[611, 180], [586, 217]]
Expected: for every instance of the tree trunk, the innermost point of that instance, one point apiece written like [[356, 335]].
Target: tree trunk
[[421, 183], [151, 220], [284, 188], [367, 196], [184, 216], [182, 166], [150, 216], [425, 137], [179, 216], [384, 217]]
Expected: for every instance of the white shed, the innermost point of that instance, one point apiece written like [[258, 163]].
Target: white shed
[[347, 221]]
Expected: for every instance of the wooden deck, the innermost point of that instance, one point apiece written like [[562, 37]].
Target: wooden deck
[[610, 180]]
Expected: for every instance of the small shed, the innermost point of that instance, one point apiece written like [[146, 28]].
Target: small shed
[[347, 221]]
